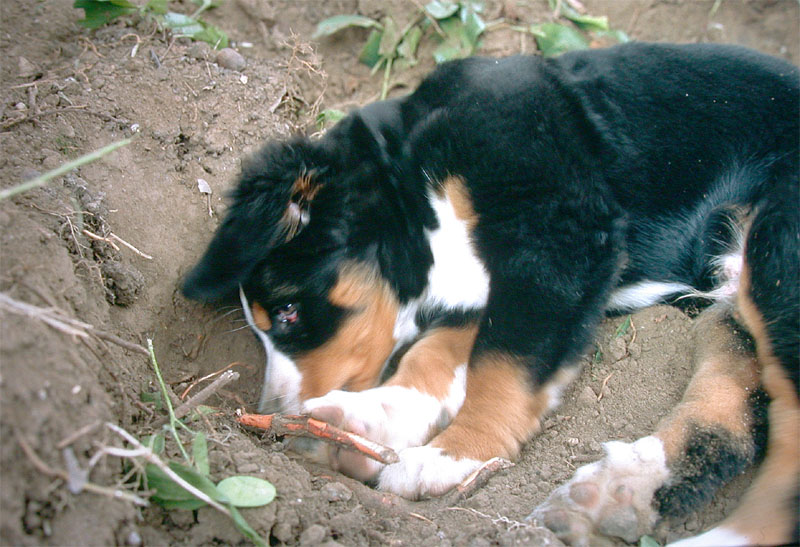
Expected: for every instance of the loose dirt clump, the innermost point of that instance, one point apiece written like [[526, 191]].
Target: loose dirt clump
[[94, 259]]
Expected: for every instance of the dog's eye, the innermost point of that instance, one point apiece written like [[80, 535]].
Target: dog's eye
[[288, 313]]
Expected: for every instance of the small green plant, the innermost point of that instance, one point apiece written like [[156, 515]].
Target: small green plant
[[622, 329], [555, 38], [457, 26], [188, 486], [101, 12]]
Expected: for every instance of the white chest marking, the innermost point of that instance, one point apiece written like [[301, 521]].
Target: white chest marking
[[457, 277]]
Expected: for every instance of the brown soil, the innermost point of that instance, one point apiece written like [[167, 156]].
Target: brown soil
[[75, 91]]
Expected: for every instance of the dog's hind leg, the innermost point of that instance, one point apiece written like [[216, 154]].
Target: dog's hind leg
[[705, 441], [768, 302]]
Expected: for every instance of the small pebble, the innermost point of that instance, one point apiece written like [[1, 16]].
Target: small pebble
[[336, 491], [29, 173], [313, 535], [26, 68], [587, 397], [230, 59], [248, 468], [200, 51], [133, 539]]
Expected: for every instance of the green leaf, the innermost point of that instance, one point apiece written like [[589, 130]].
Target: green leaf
[[199, 411], [157, 6], [473, 26], [200, 453], [457, 43], [618, 35], [589, 22], [647, 541], [212, 35], [100, 12], [245, 528], [336, 23], [152, 397], [585, 22], [168, 490], [441, 9], [328, 117], [184, 505], [554, 39], [154, 443], [623, 328], [245, 491], [390, 38], [407, 49], [183, 26], [369, 53], [208, 3]]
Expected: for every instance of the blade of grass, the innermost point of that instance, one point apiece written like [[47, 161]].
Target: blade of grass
[[173, 421], [58, 171]]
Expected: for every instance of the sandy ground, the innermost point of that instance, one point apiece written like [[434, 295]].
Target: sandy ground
[[65, 91]]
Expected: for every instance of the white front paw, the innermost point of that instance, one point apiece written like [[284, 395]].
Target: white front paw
[[359, 413], [425, 471], [394, 416]]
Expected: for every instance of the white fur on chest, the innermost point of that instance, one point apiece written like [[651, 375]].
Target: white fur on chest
[[457, 278]]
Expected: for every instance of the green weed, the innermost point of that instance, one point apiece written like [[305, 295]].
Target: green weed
[[457, 28], [101, 12]]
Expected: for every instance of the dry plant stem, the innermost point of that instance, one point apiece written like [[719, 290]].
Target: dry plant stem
[[64, 476], [147, 454], [480, 477], [224, 379], [112, 238], [288, 424], [207, 377], [56, 319], [72, 437]]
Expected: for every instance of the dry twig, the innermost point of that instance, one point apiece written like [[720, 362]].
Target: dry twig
[[208, 377], [479, 478], [288, 424], [184, 409]]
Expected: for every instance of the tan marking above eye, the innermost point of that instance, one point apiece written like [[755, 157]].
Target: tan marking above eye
[[356, 283], [456, 191], [355, 354], [261, 317], [305, 189]]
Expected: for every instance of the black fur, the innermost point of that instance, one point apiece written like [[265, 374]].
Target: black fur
[[712, 457], [587, 172]]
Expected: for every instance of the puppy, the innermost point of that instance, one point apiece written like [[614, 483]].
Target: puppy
[[428, 273]]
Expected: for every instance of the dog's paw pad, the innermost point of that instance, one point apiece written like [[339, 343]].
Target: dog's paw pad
[[611, 498]]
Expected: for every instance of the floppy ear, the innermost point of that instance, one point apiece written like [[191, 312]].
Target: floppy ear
[[375, 130], [225, 264]]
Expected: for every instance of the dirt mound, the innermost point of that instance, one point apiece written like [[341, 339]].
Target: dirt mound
[[67, 91]]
